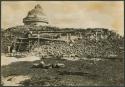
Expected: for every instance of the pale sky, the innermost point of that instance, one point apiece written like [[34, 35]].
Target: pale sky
[[75, 14]]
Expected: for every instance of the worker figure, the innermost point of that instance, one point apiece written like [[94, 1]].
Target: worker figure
[[12, 50], [8, 50]]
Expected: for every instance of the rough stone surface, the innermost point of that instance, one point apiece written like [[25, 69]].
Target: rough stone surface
[[36, 16]]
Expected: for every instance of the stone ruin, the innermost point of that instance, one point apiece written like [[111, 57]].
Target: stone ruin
[[37, 36]]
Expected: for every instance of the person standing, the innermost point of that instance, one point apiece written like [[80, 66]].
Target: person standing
[[12, 50], [8, 49]]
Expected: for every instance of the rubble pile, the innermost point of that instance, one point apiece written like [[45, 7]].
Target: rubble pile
[[110, 44], [90, 49]]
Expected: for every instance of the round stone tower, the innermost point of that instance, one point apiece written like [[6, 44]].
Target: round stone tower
[[36, 17]]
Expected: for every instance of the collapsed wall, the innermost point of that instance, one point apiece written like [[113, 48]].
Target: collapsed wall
[[88, 42]]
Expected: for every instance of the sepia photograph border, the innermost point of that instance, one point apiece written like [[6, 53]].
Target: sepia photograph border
[[63, 0]]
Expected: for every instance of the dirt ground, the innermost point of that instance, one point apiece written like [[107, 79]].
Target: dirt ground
[[83, 72]]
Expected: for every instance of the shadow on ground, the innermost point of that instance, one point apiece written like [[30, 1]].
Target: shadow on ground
[[75, 73]]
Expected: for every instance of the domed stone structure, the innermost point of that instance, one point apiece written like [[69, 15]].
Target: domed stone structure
[[36, 17]]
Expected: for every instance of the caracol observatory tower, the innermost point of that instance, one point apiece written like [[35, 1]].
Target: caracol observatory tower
[[36, 17]]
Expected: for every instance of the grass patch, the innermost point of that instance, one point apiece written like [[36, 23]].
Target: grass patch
[[82, 72]]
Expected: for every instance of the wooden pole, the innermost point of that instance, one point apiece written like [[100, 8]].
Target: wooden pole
[[29, 45], [20, 45], [38, 43]]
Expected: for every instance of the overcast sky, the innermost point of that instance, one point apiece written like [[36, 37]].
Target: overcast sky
[[80, 14]]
